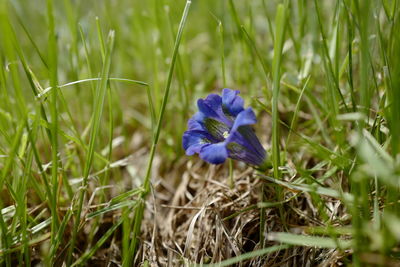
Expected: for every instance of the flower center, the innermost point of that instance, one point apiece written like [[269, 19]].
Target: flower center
[[225, 134]]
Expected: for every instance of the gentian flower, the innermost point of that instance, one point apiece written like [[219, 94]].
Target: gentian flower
[[221, 129]]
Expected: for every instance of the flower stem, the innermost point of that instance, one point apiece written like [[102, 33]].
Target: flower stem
[[231, 180]]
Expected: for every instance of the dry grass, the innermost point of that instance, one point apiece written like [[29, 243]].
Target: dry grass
[[204, 220], [194, 216]]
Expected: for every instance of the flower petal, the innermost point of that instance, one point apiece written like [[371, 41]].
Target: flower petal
[[244, 153], [214, 153], [214, 101], [194, 141], [242, 142], [231, 102], [210, 105], [196, 122], [246, 117]]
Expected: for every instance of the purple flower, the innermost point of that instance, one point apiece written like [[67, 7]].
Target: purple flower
[[221, 129]]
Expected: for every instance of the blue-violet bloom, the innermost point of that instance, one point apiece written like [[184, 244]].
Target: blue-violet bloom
[[222, 129]]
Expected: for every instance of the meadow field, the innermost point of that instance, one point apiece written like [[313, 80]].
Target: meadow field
[[119, 145]]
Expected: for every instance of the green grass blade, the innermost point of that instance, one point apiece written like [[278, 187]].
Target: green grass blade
[[280, 22], [247, 256], [310, 241], [53, 75], [95, 127], [146, 184]]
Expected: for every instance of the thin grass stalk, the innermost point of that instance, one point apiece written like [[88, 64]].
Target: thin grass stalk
[[101, 39], [329, 65], [363, 9], [180, 74], [32, 41], [87, 58], [246, 78], [394, 93], [246, 256], [32, 134], [151, 108], [296, 111], [392, 74], [59, 236], [280, 22], [4, 93], [270, 28], [252, 44], [98, 109], [359, 187], [52, 54], [23, 214], [33, 82], [21, 117], [104, 178], [5, 233], [350, 37], [146, 184]]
